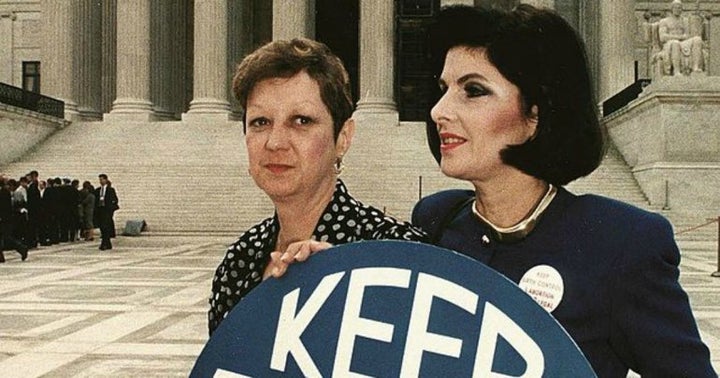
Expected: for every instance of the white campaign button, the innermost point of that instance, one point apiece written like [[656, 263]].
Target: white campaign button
[[545, 285]]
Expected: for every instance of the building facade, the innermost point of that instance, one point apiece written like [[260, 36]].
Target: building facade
[[173, 59], [130, 61]]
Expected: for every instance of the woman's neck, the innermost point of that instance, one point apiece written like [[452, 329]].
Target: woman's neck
[[298, 216], [506, 202]]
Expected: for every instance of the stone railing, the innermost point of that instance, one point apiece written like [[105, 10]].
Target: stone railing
[[31, 101]]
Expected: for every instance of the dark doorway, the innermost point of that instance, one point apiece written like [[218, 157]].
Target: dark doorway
[[336, 25], [414, 82]]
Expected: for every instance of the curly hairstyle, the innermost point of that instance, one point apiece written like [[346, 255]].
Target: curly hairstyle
[[285, 59]]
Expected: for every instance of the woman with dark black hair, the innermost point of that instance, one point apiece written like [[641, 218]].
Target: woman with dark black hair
[[516, 118]]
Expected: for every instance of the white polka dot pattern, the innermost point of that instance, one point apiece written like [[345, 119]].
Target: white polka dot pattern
[[345, 220]]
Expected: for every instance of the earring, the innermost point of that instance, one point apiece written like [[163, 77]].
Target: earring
[[339, 166]]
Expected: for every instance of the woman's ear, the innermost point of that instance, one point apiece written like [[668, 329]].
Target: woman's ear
[[531, 121], [344, 139]]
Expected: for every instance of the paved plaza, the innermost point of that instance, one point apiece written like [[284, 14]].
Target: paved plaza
[[139, 310]]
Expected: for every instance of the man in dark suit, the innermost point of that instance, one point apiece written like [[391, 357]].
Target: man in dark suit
[[34, 206], [106, 202], [51, 203], [66, 203], [7, 239]]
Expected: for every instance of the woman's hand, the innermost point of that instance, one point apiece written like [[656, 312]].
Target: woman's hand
[[298, 251]]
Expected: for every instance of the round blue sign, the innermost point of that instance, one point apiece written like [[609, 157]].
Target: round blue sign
[[390, 308]]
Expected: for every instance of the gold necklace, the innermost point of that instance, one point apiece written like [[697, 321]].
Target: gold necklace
[[523, 228]]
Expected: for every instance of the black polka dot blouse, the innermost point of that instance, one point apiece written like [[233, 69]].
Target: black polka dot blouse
[[344, 220]]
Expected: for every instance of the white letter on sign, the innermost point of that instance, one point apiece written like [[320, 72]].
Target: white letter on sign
[[291, 327], [353, 325], [494, 323], [418, 339]]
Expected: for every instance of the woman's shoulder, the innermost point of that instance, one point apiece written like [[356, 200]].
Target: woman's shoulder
[[258, 232], [249, 250], [444, 198], [440, 203], [372, 223], [631, 232], [604, 208]]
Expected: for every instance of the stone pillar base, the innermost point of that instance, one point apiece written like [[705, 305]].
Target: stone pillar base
[[669, 137], [164, 115], [70, 110], [370, 118], [377, 105], [131, 105], [681, 186], [209, 105], [377, 110], [87, 114], [207, 117], [130, 117], [131, 110]]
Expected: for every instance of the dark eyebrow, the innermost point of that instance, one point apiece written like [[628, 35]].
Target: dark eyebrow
[[463, 79], [471, 76]]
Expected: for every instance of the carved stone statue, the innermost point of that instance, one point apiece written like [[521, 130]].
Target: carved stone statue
[[683, 49]]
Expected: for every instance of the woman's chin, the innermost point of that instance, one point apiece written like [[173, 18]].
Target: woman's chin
[[278, 192], [275, 187], [451, 170]]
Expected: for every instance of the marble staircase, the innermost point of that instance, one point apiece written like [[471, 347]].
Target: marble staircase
[[191, 177], [177, 176]]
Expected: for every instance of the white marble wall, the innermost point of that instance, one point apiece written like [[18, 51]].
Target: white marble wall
[[6, 46], [656, 139], [25, 129]]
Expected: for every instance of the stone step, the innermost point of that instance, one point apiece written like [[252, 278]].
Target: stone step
[[192, 176]]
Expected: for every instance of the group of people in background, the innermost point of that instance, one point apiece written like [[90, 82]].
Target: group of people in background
[[57, 210]]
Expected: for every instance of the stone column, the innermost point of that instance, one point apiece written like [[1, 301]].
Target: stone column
[[293, 18], [209, 64], [179, 84], [6, 47], [618, 28], [713, 64], [59, 54], [133, 62], [108, 54], [162, 63], [89, 34], [377, 43], [240, 37], [589, 28]]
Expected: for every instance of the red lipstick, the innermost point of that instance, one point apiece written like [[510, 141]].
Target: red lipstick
[[449, 141]]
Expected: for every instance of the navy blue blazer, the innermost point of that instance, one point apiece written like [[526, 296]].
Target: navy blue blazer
[[622, 303]]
